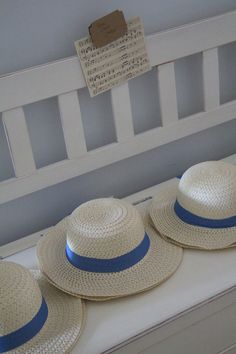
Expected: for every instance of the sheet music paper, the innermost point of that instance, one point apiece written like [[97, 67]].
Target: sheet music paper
[[116, 62]]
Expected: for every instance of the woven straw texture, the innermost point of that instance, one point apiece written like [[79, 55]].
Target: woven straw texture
[[208, 190], [161, 260], [104, 228], [20, 298]]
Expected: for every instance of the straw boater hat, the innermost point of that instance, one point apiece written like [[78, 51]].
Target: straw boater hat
[[35, 317], [199, 211], [102, 251]]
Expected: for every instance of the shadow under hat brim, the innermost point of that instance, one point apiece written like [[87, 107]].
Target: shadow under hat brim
[[64, 324], [174, 230], [160, 262]]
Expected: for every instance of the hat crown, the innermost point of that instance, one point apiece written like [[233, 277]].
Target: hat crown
[[104, 228], [208, 190], [20, 297]]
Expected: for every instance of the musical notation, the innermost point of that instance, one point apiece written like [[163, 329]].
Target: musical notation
[[116, 62]]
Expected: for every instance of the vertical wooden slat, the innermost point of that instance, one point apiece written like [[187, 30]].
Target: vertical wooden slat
[[211, 79], [72, 124], [122, 113], [18, 142], [167, 93]]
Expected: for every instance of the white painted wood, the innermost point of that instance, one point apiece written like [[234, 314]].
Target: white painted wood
[[230, 159], [66, 75], [61, 171], [191, 331], [167, 93], [41, 82], [18, 142], [209, 336], [193, 38], [122, 113], [72, 124], [229, 350], [24, 243], [211, 79]]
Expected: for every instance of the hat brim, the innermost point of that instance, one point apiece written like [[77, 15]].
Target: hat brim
[[64, 324], [160, 262], [174, 230]]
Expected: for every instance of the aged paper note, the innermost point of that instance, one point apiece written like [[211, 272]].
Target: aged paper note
[[116, 62]]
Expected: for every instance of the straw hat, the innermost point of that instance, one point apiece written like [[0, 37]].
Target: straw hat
[[199, 211], [35, 317], [103, 251]]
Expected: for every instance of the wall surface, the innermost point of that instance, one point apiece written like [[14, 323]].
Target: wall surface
[[35, 32]]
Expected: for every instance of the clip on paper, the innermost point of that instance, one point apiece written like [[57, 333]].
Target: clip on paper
[[108, 28]]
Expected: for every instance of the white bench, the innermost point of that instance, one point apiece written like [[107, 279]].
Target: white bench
[[194, 312]]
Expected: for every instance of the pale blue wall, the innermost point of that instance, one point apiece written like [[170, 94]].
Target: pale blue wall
[[33, 32]]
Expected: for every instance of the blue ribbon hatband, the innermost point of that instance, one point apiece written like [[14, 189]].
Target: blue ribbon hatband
[[196, 220], [24, 334], [110, 265]]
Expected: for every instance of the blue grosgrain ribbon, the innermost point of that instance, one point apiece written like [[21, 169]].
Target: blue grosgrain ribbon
[[110, 265], [196, 220], [24, 334]]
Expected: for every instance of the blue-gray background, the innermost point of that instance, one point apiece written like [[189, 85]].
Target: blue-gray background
[[34, 32]]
